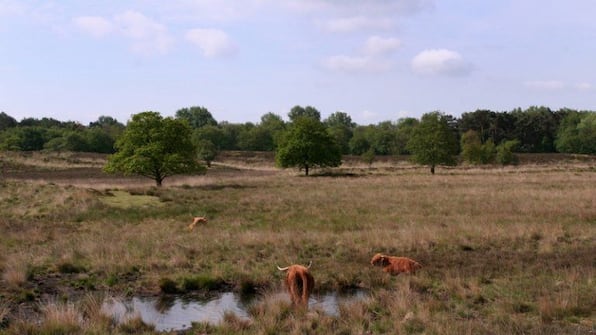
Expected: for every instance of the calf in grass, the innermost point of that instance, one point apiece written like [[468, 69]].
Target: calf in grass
[[395, 265], [195, 221]]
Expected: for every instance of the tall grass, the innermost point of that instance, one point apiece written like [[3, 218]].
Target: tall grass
[[504, 250]]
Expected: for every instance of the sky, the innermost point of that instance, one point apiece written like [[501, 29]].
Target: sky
[[376, 60]]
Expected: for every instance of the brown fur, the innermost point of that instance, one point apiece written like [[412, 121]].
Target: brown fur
[[395, 265], [300, 283], [195, 221]]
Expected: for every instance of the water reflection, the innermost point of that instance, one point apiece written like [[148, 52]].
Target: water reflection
[[176, 313], [330, 302]]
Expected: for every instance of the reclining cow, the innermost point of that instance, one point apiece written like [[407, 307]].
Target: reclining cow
[[395, 265]]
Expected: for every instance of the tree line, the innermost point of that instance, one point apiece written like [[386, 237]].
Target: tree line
[[533, 130]]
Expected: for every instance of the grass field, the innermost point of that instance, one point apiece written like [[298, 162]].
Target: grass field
[[504, 250]]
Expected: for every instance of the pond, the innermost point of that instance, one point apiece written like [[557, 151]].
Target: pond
[[178, 313]]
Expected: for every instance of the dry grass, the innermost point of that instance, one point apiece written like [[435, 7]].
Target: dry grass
[[504, 250], [60, 318], [14, 275], [4, 312]]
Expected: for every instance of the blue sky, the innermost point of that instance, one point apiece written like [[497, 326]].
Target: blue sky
[[375, 60]]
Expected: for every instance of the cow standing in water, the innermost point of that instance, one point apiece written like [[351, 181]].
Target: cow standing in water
[[299, 282]]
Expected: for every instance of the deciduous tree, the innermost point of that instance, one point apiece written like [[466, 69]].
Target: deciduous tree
[[341, 127], [433, 142], [308, 111], [307, 144], [155, 147], [7, 121], [577, 133], [196, 117]]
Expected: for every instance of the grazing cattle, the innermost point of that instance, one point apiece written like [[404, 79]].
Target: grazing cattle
[[299, 282], [395, 265], [195, 221]]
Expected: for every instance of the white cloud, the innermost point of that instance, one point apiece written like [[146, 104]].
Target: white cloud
[[212, 10], [440, 62], [148, 36], [343, 63], [373, 58], [583, 86], [96, 26], [212, 42], [545, 84], [383, 7], [376, 45], [11, 7], [357, 23]]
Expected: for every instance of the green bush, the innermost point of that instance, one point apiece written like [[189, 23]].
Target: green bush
[[475, 152], [505, 153]]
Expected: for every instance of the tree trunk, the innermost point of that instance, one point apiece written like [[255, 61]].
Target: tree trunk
[[432, 169], [306, 170]]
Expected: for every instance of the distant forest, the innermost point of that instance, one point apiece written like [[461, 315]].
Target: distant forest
[[535, 130]]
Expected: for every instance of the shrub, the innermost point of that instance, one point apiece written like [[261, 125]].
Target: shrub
[[505, 155], [368, 156], [474, 152]]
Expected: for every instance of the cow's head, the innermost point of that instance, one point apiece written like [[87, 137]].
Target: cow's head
[[379, 259]]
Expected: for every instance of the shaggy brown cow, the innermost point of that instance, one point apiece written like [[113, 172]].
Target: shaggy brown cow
[[299, 282], [395, 265], [195, 221]]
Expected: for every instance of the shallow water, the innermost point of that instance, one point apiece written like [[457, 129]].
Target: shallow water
[[177, 313]]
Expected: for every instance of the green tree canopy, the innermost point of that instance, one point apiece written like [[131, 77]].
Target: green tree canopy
[[481, 121], [274, 124], [99, 140], [307, 144], [474, 151], [505, 152], [308, 111], [255, 138], [384, 139], [341, 128], [108, 125], [206, 151], [212, 134], [7, 121], [196, 116], [30, 138], [404, 130], [361, 140], [536, 129], [433, 141], [155, 147], [577, 133]]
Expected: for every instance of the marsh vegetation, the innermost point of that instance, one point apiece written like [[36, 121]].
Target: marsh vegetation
[[505, 250]]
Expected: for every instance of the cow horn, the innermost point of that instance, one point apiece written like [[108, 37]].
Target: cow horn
[[309, 264], [282, 269]]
